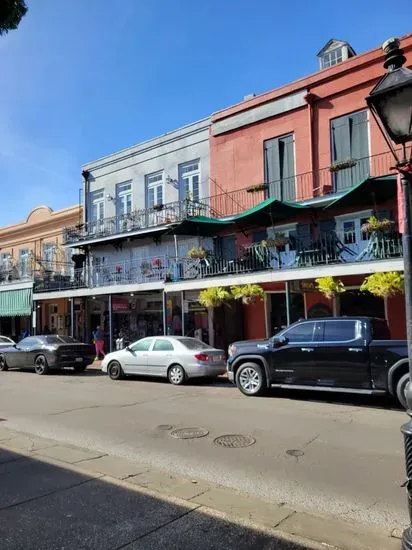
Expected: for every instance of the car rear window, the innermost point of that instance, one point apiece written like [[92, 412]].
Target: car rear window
[[380, 330], [56, 339], [193, 343], [4, 340]]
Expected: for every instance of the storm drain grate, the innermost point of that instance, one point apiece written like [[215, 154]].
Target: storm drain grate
[[295, 452], [234, 441], [165, 427], [189, 433]]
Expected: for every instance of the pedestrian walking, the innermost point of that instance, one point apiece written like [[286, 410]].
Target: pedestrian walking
[[98, 339]]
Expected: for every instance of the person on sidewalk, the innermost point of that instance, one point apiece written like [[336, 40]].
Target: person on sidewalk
[[98, 338]]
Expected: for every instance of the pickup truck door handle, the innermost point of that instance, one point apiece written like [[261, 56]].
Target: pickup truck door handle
[[307, 349], [356, 350]]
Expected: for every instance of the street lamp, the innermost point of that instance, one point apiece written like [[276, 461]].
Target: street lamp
[[390, 102]]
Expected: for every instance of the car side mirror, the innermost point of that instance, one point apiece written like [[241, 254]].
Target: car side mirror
[[280, 341]]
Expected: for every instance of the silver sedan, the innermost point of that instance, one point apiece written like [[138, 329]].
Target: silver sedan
[[174, 357]]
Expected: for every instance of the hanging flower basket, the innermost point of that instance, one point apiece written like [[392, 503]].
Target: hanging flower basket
[[329, 287], [249, 294], [197, 253], [157, 263], [278, 242], [384, 285], [373, 224], [118, 268], [214, 297], [342, 164], [256, 188]]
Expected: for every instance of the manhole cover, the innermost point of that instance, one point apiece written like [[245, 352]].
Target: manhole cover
[[189, 433], [165, 427], [295, 452], [234, 441]]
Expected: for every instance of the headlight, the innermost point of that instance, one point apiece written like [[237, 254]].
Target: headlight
[[231, 350]]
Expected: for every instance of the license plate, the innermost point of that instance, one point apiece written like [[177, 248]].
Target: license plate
[[79, 359], [216, 358]]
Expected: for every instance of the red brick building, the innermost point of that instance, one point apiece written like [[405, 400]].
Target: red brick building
[[312, 143]]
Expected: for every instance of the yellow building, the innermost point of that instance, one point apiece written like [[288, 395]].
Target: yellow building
[[29, 251]]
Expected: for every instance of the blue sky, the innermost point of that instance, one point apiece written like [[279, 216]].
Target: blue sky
[[84, 78]]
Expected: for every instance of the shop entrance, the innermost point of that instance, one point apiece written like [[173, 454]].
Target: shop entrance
[[277, 310], [354, 303]]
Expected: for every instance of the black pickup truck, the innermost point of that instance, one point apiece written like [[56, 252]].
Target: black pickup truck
[[339, 354]]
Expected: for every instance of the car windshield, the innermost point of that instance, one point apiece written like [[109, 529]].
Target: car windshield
[[56, 339], [193, 343], [5, 340]]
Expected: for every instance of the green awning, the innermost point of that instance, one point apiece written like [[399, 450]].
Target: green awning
[[268, 212], [199, 225], [368, 192], [16, 303]]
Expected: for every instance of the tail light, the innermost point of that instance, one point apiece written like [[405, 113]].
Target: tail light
[[202, 357]]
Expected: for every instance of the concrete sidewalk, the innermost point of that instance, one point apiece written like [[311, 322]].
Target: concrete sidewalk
[[59, 496]]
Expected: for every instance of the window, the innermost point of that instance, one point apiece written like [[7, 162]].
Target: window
[[56, 339], [332, 58], [123, 198], [30, 342], [301, 333], [350, 142], [193, 344], [5, 340], [48, 254], [163, 345], [340, 331], [279, 158], [97, 205], [142, 345], [154, 189], [380, 330], [189, 180], [24, 255], [5, 260]]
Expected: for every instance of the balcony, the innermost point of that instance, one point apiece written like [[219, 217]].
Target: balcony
[[60, 276], [137, 222], [303, 187], [16, 273]]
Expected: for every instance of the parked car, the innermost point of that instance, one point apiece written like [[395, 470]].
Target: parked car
[[345, 354], [47, 352], [174, 357], [6, 342]]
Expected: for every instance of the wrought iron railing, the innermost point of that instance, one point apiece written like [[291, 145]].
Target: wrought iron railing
[[16, 272], [141, 270], [145, 218], [60, 276]]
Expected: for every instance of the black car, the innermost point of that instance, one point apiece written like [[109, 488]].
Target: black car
[[47, 352], [342, 354]]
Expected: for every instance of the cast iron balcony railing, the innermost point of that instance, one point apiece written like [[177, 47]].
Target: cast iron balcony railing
[[136, 221], [16, 272], [59, 276]]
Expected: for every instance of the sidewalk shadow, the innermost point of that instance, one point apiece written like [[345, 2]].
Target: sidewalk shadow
[[44, 507]]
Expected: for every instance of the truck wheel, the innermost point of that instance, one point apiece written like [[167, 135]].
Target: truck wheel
[[401, 388], [250, 379]]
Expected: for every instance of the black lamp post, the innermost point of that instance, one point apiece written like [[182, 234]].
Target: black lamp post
[[390, 102]]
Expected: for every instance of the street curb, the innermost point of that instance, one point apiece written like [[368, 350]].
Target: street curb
[[300, 529]]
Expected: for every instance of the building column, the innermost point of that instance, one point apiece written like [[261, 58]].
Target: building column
[[110, 324], [34, 319], [182, 300], [72, 329], [287, 298], [164, 313]]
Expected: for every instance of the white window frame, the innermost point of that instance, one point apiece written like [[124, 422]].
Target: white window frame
[[190, 175], [352, 217], [48, 248], [124, 190], [5, 260], [96, 198], [24, 259], [155, 184], [330, 58]]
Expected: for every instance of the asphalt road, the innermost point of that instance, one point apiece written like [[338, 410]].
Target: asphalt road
[[327, 453]]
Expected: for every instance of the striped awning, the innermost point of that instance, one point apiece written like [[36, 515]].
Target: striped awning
[[16, 303]]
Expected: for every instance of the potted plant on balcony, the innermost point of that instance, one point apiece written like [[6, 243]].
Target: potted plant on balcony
[[384, 285], [118, 268], [373, 225], [279, 240], [342, 164], [146, 269], [157, 263], [214, 297], [257, 187], [249, 294], [197, 253], [329, 287]]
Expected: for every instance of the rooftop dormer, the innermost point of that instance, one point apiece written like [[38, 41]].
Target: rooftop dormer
[[334, 52]]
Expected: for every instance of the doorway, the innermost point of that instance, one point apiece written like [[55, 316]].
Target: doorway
[[277, 310], [354, 303]]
